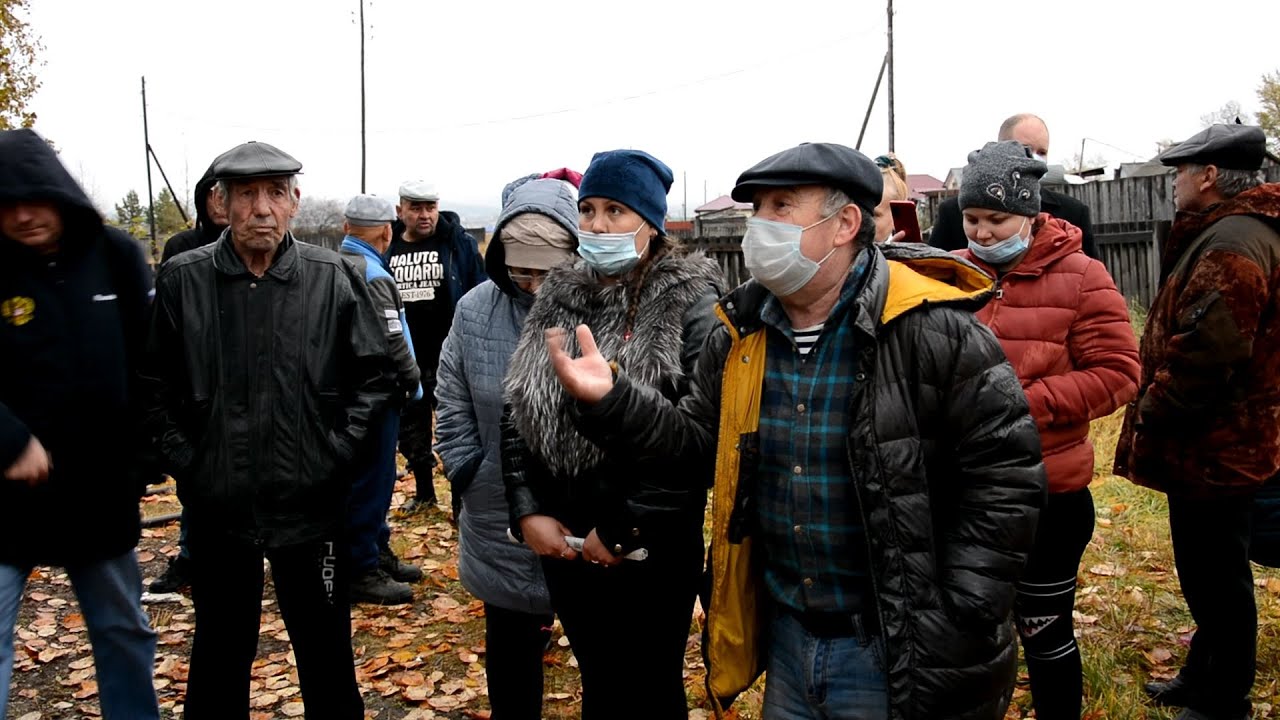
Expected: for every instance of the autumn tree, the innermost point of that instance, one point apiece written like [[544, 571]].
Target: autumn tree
[[1269, 115], [19, 47]]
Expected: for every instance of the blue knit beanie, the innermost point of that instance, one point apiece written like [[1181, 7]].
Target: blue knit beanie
[[632, 177]]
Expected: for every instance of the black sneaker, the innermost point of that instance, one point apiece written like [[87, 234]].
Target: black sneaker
[[176, 577], [399, 571], [378, 588]]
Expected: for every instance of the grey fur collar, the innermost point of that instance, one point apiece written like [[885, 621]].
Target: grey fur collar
[[572, 296]]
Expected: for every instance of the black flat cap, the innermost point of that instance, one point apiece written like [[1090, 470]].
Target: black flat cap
[[1232, 147], [253, 160], [826, 164]]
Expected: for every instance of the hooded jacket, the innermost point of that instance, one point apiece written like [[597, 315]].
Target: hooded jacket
[[261, 391], [473, 362], [71, 325], [1207, 421], [1065, 329], [943, 454], [206, 230]]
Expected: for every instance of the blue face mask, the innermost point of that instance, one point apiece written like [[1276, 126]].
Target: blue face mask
[[1005, 251], [610, 254]]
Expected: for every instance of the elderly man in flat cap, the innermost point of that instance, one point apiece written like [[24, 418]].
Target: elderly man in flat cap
[[374, 567], [1206, 426], [266, 366], [435, 262], [877, 472]]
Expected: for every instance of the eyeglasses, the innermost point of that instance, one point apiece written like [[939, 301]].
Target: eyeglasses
[[526, 277]]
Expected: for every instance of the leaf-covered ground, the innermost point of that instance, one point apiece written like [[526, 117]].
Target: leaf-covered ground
[[426, 660]]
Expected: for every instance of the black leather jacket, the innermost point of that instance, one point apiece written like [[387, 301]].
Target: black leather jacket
[[260, 391]]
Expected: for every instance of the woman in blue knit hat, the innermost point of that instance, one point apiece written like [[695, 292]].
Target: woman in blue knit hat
[[650, 307]]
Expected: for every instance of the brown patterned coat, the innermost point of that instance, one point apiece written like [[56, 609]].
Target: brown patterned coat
[[1207, 418]]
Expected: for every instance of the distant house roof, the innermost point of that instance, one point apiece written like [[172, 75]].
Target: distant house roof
[[954, 176], [724, 202], [920, 184], [679, 225], [1143, 169]]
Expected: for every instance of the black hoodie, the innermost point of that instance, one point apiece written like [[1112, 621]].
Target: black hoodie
[[70, 325], [205, 231]]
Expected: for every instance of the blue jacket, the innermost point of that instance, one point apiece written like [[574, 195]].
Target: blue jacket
[[473, 363], [373, 267]]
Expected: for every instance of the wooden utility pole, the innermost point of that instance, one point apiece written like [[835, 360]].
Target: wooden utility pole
[[363, 152], [151, 208], [890, 64]]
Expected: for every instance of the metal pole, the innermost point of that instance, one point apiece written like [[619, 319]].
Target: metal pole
[[151, 210], [1081, 163], [872, 103], [685, 182], [890, 64], [363, 156]]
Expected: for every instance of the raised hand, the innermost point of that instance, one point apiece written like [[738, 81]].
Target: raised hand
[[587, 378]]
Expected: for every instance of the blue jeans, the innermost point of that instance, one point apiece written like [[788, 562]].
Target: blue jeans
[[371, 491], [124, 646], [818, 678]]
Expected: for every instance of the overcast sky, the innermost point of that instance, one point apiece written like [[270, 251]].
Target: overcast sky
[[471, 94]]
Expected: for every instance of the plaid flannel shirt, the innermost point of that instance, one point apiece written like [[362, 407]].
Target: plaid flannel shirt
[[809, 516]]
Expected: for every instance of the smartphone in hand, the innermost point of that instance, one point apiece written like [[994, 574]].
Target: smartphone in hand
[[905, 220]]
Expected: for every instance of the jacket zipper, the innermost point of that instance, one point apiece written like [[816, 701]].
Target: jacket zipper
[[866, 536]]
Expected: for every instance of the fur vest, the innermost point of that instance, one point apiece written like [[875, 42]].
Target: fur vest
[[540, 408]]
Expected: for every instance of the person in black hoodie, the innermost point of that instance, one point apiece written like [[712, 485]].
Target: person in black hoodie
[[435, 262], [211, 220], [73, 304]]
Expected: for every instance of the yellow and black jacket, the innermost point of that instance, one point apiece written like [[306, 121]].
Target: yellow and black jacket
[[945, 456]]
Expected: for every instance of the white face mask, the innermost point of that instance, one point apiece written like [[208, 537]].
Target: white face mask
[[771, 252], [1042, 158], [610, 254], [1004, 251]]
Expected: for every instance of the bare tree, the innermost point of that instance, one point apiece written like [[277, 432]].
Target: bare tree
[[319, 222], [1225, 115]]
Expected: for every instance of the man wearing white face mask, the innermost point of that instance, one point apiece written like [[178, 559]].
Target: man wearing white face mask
[[1030, 130], [877, 474]]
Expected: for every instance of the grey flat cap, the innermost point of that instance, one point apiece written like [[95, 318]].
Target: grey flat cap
[[369, 211], [253, 160], [1233, 147], [827, 164], [419, 191]]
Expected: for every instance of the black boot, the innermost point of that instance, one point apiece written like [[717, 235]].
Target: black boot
[[176, 576], [378, 588], [1174, 693], [399, 571]]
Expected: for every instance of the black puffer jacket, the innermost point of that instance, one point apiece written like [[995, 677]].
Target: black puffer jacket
[[260, 391], [944, 455]]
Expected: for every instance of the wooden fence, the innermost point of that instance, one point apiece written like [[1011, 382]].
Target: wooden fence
[[1131, 252]]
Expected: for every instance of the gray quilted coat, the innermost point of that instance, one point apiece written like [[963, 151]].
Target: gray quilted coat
[[473, 362]]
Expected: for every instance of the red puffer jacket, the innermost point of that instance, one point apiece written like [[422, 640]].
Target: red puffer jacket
[[1066, 331]]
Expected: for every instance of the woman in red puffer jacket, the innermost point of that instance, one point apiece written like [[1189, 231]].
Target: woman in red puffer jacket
[[1066, 331]]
